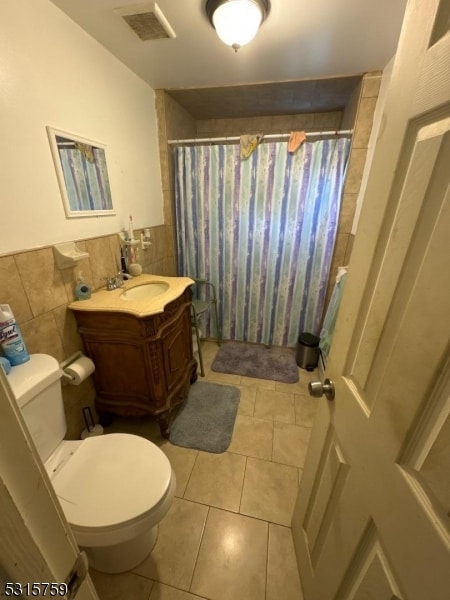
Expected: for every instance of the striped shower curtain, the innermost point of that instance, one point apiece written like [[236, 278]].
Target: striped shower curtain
[[86, 179], [263, 231]]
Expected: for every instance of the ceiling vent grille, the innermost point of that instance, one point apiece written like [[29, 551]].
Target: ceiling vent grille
[[147, 21]]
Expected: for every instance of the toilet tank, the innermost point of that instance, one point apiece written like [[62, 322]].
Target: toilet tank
[[36, 386]]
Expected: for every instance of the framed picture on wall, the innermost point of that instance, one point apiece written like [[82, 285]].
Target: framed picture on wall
[[82, 174]]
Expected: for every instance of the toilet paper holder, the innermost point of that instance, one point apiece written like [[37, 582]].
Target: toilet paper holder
[[92, 429], [88, 419], [68, 377]]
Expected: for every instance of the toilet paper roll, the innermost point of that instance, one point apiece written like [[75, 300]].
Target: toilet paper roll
[[79, 370]]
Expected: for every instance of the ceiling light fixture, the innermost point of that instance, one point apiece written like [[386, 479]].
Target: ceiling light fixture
[[237, 21]]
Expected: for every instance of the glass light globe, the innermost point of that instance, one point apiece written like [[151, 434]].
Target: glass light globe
[[237, 22]]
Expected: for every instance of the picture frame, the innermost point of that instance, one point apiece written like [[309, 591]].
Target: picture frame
[[82, 174]]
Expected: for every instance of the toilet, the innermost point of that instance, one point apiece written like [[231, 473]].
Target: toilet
[[114, 489]]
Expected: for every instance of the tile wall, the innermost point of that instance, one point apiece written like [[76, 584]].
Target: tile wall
[[173, 123], [359, 116], [270, 125], [38, 293]]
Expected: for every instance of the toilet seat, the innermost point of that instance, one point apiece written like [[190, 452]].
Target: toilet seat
[[112, 481]]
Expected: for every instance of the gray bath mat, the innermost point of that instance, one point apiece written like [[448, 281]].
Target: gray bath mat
[[256, 360], [206, 419]]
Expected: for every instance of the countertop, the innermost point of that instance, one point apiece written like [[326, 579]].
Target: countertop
[[110, 300]]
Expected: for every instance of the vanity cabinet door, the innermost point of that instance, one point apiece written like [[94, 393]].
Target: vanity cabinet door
[[176, 341], [121, 376]]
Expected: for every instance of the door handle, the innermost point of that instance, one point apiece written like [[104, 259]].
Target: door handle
[[317, 389]]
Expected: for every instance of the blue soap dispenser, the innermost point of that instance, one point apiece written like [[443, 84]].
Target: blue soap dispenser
[[82, 289]]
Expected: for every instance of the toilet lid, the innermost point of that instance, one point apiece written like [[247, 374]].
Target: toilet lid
[[112, 479]]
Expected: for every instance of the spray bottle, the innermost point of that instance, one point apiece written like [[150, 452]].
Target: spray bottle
[[11, 338]]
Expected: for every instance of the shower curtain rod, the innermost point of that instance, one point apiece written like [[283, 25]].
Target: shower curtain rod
[[271, 136]]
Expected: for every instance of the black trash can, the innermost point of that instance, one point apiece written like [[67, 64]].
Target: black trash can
[[307, 351]]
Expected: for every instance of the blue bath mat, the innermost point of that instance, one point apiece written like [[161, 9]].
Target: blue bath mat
[[205, 420], [256, 360]]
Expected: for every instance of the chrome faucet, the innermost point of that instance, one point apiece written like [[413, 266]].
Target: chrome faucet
[[111, 283]]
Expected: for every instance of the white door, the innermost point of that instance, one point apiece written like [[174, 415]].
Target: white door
[[38, 553], [372, 519]]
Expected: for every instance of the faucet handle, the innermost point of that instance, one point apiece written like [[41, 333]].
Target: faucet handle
[[110, 283], [119, 279]]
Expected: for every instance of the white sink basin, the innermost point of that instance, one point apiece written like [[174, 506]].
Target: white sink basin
[[145, 291]]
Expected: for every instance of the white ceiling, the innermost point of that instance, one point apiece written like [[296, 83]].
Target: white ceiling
[[301, 39]]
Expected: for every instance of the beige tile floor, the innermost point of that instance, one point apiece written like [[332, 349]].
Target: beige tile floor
[[227, 534]]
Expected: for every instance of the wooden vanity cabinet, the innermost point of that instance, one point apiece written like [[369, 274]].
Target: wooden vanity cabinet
[[143, 365]]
